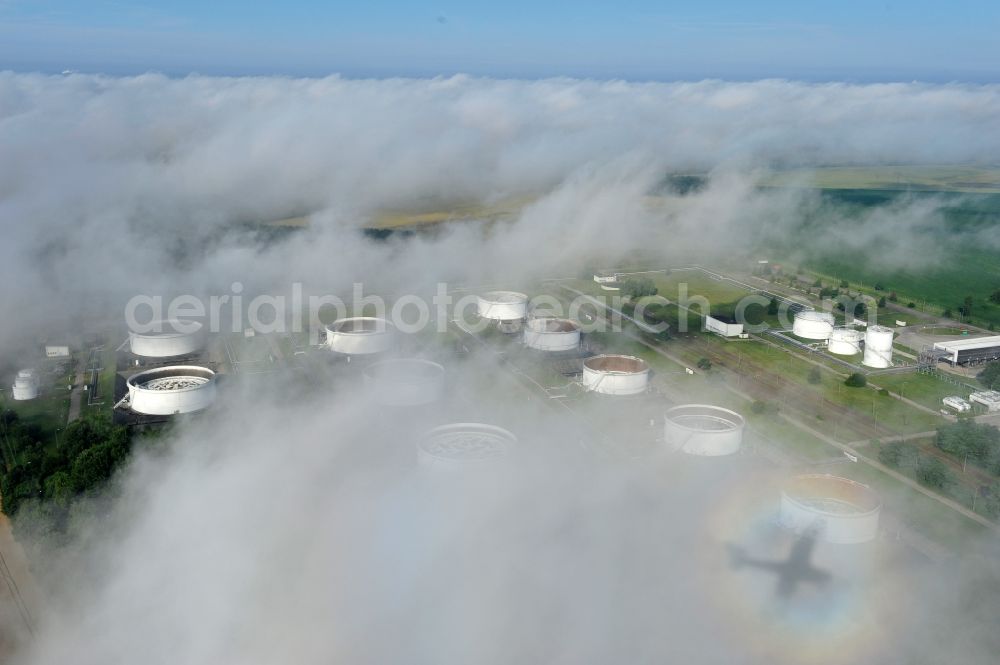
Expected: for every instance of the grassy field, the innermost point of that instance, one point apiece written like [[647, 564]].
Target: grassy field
[[931, 178], [968, 266], [426, 214], [924, 389]]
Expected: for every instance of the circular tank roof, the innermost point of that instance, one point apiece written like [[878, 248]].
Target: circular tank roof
[[846, 334], [168, 328], [814, 315], [705, 418], [405, 370], [504, 297], [466, 442], [832, 495], [359, 325], [553, 325], [616, 364], [172, 379]]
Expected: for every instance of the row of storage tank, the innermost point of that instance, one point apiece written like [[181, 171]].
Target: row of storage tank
[[846, 511], [178, 389], [875, 342], [608, 374]]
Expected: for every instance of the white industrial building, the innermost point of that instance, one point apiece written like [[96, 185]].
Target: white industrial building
[[615, 374], [552, 334], [723, 326], [703, 429], [360, 335], [168, 339], [25, 385], [607, 277], [170, 390], [968, 351], [811, 324], [957, 403], [988, 398], [405, 381], [464, 447], [56, 351], [841, 510], [878, 347]]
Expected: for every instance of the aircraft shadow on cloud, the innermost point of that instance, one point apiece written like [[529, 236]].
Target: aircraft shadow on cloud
[[791, 572]]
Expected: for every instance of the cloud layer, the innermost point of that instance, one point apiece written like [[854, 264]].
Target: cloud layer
[[291, 526], [134, 181]]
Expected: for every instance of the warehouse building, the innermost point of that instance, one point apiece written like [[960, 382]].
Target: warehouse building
[[972, 351]]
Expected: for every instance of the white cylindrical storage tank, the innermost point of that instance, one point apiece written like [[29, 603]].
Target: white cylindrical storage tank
[[464, 447], [615, 375], [165, 391], [360, 335], [845, 341], [405, 382], [810, 324], [168, 339], [552, 334], [878, 347], [25, 385], [842, 511], [703, 429], [502, 306]]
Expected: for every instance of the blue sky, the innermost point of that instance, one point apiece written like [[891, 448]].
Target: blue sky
[[813, 41]]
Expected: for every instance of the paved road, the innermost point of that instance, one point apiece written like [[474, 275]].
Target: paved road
[[76, 396]]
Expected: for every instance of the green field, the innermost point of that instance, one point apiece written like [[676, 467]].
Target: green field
[[938, 178], [966, 238]]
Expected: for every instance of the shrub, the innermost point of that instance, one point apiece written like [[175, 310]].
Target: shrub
[[932, 472], [856, 380], [638, 287], [891, 454]]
